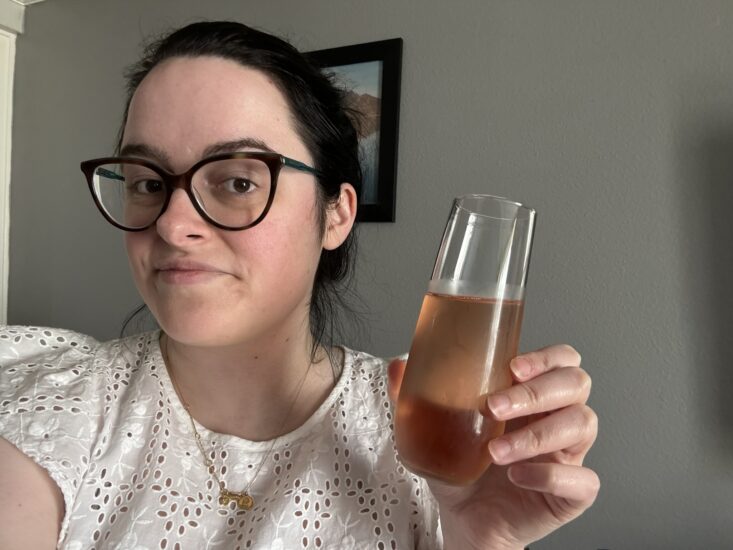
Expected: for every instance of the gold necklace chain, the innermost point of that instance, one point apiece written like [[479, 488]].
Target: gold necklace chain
[[243, 499]]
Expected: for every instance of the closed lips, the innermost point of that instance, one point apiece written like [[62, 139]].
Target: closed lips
[[185, 265]]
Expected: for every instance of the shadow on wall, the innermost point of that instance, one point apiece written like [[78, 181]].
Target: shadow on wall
[[706, 243], [718, 155]]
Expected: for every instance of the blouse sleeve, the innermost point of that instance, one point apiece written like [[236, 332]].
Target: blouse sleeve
[[49, 401], [429, 535]]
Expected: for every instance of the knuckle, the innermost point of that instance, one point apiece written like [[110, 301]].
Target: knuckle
[[530, 393], [534, 439], [589, 418], [572, 353], [582, 380]]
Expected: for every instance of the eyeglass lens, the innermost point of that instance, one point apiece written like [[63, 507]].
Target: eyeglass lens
[[232, 192]]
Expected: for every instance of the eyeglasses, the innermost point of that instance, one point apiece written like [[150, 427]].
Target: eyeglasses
[[231, 191]]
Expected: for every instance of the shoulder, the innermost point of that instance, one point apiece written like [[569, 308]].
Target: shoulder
[[364, 364], [56, 391], [27, 349], [34, 359], [38, 358], [364, 399], [18, 343], [366, 371], [55, 382], [43, 368], [44, 374]]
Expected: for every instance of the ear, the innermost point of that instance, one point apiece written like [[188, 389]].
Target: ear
[[340, 218]]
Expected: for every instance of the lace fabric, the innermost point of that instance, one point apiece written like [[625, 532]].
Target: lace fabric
[[104, 421]]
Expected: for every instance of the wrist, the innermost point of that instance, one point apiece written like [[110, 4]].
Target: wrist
[[488, 544], [459, 539]]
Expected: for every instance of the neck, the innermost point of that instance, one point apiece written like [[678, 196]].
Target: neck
[[257, 392]]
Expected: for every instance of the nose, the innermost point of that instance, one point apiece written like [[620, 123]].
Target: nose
[[181, 224]]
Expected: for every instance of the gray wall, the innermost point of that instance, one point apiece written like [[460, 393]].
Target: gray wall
[[614, 119]]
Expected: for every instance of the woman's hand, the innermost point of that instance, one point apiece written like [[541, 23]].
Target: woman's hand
[[537, 481]]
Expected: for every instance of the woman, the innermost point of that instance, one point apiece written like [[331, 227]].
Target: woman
[[237, 425]]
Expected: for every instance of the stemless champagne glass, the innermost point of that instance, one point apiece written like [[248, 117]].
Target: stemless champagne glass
[[466, 335]]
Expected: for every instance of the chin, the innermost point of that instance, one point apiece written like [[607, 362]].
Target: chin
[[192, 327], [199, 336]]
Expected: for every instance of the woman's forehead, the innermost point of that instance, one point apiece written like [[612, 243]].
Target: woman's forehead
[[184, 105]]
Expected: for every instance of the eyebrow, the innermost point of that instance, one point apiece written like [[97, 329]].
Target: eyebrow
[[236, 145], [160, 156], [146, 151]]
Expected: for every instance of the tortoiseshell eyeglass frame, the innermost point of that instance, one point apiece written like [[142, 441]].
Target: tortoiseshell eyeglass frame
[[274, 161]]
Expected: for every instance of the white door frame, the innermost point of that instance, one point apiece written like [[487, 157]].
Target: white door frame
[[7, 67]]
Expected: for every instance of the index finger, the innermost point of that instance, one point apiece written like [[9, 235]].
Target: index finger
[[529, 365]]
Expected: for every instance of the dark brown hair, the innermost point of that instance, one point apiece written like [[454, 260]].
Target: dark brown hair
[[322, 119]]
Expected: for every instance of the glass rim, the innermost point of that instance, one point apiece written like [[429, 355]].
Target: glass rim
[[528, 213]]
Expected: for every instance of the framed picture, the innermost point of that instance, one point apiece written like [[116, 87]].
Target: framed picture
[[371, 74]]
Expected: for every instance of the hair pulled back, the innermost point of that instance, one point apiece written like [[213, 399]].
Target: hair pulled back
[[322, 120]]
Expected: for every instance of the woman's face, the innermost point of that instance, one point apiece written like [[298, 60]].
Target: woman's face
[[204, 285]]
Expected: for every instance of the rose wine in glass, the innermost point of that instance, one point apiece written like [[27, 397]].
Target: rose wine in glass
[[467, 333]]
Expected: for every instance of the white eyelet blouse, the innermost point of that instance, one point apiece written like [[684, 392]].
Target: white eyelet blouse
[[104, 421]]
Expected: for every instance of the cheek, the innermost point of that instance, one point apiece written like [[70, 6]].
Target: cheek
[[137, 248], [280, 252], [287, 250]]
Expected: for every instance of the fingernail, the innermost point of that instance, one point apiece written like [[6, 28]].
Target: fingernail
[[521, 367], [499, 404], [519, 475], [499, 448]]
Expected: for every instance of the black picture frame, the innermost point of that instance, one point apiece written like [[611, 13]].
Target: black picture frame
[[377, 205]]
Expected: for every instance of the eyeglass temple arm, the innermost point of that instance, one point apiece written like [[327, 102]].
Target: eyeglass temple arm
[[300, 166], [109, 174]]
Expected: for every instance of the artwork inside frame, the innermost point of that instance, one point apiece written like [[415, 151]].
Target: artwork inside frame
[[371, 73]]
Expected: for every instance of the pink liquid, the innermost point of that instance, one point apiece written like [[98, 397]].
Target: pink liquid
[[460, 353]]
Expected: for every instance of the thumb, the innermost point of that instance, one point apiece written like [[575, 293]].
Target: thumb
[[395, 373]]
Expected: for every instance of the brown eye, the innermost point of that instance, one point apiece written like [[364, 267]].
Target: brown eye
[[238, 186], [148, 187]]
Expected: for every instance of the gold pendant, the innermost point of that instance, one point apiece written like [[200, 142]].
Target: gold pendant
[[243, 500]]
